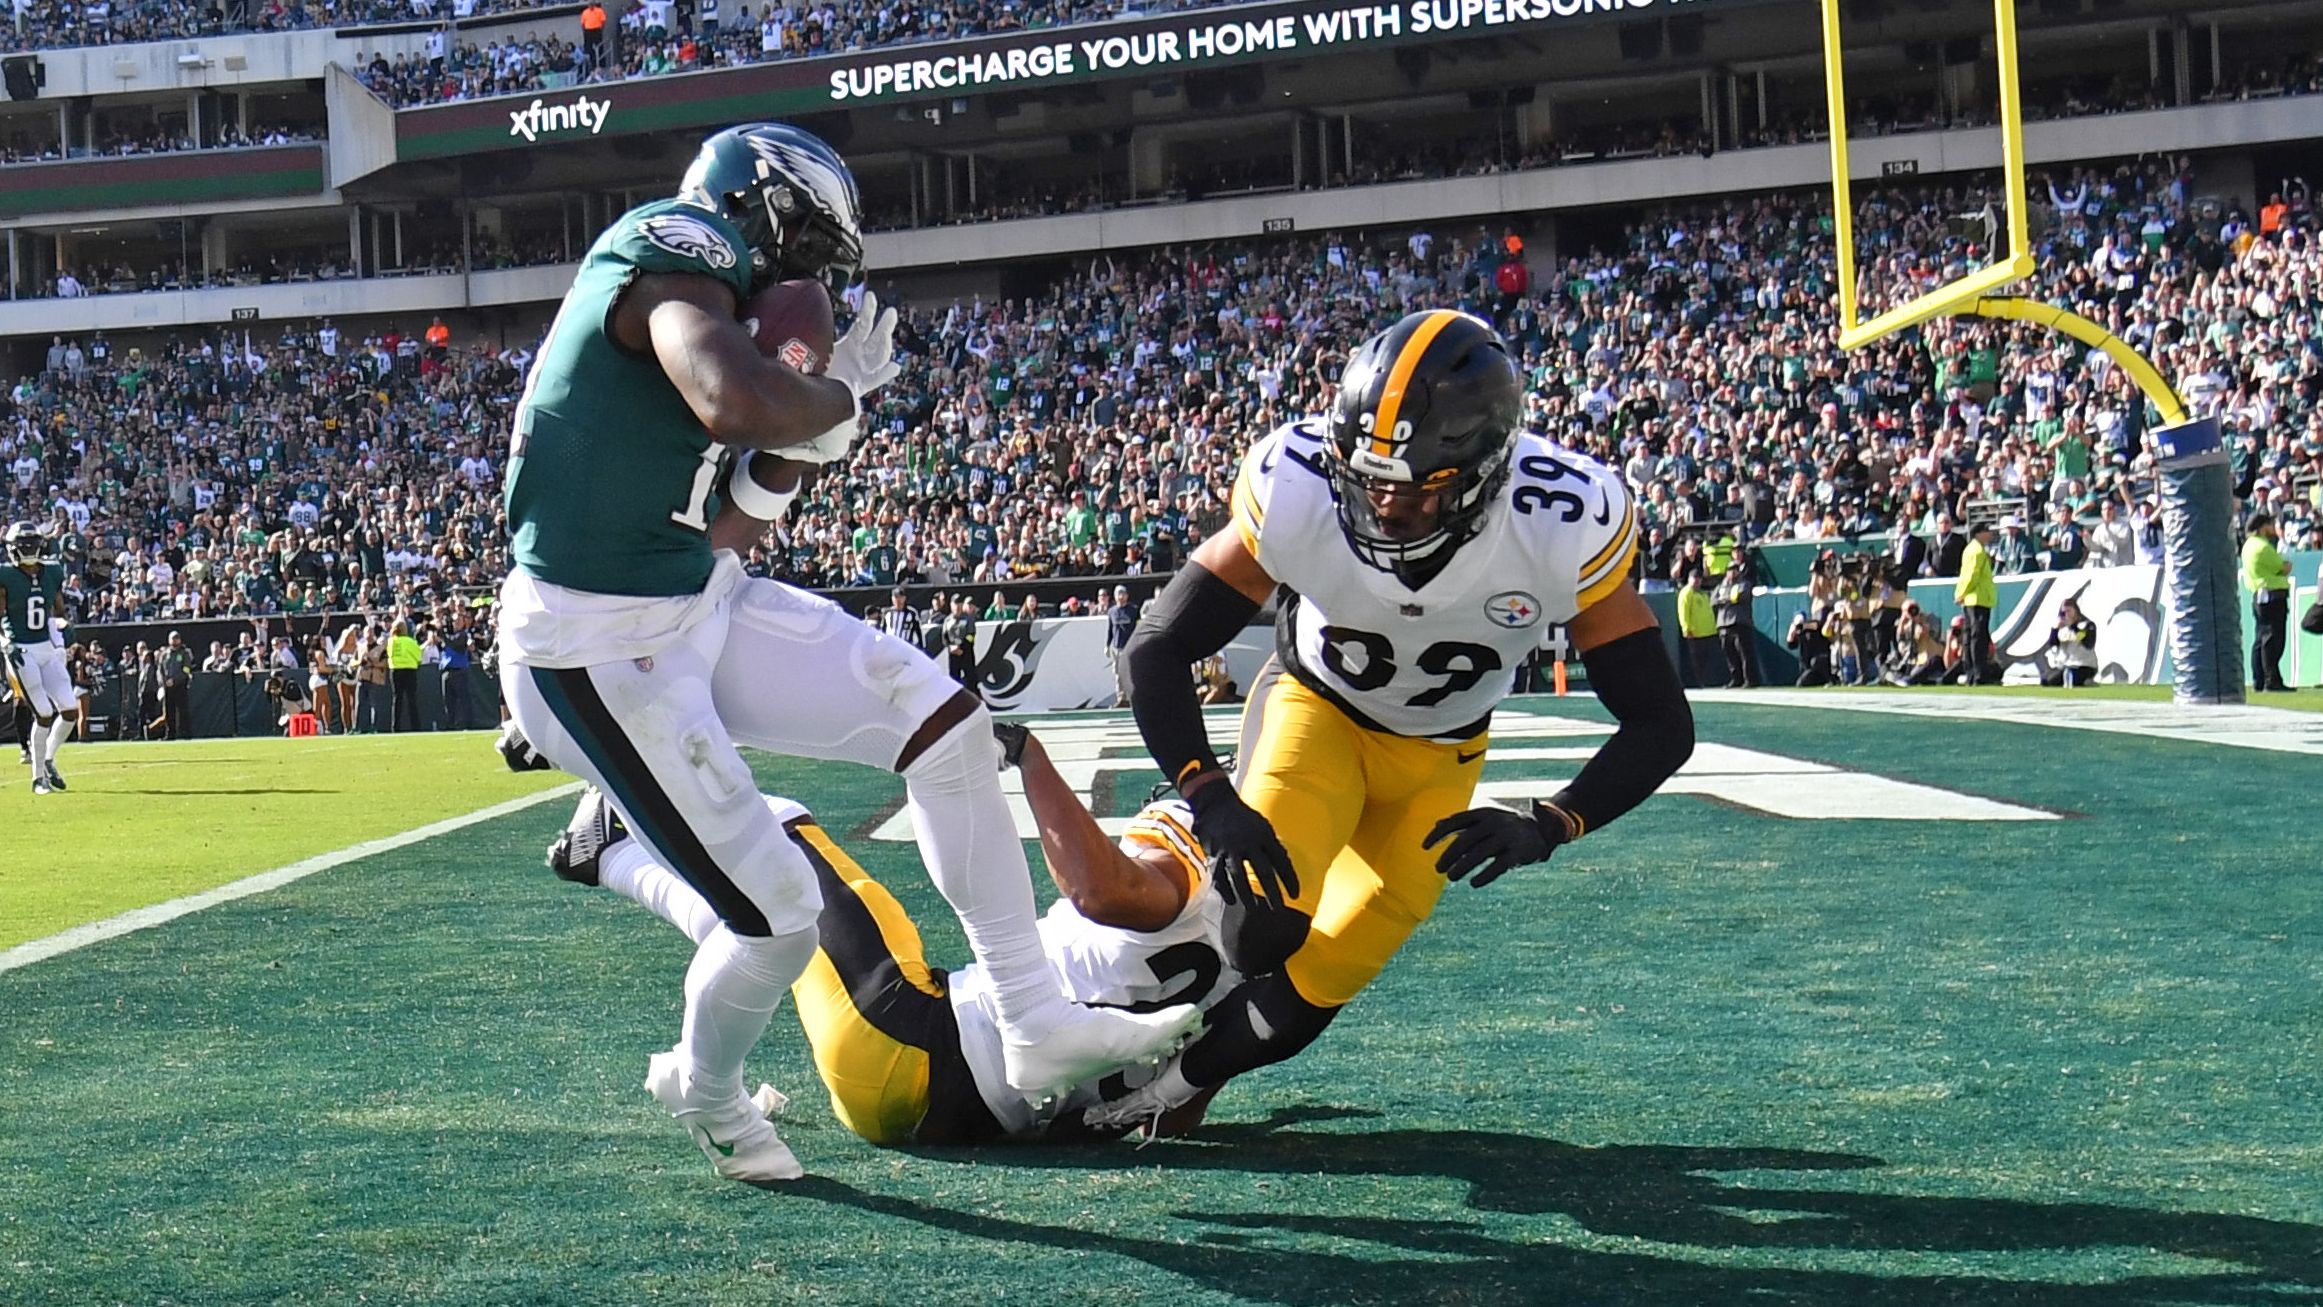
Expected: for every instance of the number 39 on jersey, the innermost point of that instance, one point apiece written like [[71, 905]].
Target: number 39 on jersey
[[1431, 662]]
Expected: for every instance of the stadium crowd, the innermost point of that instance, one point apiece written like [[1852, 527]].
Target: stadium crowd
[[61, 24], [662, 37], [23, 148], [1094, 429]]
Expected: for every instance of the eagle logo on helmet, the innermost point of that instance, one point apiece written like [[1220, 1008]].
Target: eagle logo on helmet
[[691, 238], [833, 191]]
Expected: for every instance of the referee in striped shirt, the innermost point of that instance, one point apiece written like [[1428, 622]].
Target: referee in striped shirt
[[901, 620]]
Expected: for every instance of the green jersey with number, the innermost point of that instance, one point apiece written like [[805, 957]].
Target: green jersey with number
[[610, 473], [32, 600]]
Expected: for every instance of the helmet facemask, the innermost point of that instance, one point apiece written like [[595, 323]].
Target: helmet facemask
[[1464, 499], [25, 545], [803, 243]]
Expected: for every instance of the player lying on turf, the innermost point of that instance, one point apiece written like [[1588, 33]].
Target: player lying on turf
[[1423, 545], [911, 1055]]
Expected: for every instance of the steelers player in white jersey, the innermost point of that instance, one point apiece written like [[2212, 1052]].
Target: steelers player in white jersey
[[1421, 546], [911, 1054]]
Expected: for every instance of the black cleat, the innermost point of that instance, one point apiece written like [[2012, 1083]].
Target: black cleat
[[595, 827], [56, 780]]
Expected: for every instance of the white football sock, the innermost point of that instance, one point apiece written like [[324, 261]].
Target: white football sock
[[628, 869], [969, 843], [732, 989], [39, 742], [58, 731]]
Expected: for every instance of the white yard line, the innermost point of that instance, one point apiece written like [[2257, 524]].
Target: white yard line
[[24, 955], [2244, 726]]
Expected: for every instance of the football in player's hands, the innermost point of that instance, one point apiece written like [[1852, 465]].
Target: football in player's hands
[[792, 321]]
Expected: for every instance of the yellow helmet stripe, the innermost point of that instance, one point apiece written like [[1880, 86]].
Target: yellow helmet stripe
[[1407, 361]]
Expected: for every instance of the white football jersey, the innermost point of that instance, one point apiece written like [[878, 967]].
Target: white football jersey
[[1145, 970], [1107, 966], [1431, 662]]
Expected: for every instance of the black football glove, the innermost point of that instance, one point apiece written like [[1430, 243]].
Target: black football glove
[[518, 753], [1492, 840], [1237, 837], [1013, 736]]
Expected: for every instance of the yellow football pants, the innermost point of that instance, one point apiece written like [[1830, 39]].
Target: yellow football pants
[[870, 1006], [1351, 807]]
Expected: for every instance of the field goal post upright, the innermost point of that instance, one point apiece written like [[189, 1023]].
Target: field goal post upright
[[2192, 471]]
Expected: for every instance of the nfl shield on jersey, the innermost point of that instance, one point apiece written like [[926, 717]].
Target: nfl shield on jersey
[[1432, 661]]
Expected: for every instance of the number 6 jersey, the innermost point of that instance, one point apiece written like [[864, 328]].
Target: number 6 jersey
[[1430, 662]]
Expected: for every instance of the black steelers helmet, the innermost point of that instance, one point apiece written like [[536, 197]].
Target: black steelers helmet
[[1433, 402], [790, 195]]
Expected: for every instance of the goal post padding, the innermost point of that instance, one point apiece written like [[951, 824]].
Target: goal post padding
[[2198, 575]]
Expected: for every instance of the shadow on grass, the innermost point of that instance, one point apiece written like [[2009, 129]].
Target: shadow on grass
[[1669, 1195]]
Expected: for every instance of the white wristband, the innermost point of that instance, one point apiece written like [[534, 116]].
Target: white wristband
[[743, 490]]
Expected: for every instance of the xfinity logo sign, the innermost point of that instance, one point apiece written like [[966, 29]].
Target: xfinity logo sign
[[535, 118]]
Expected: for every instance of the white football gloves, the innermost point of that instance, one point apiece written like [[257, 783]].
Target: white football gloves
[[832, 444], [864, 360]]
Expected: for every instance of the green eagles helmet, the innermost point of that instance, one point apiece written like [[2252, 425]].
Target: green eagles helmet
[[789, 194], [26, 544], [1433, 402]]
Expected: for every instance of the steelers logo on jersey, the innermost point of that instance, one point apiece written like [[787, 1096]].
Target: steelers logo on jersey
[[1513, 609]]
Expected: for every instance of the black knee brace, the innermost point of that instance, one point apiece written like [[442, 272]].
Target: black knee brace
[[1262, 1022]]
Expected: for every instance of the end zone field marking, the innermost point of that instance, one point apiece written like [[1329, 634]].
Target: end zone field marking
[[24, 955], [2231, 726]]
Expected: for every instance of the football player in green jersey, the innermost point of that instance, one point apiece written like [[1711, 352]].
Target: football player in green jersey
[[33, 585], [637, 655]]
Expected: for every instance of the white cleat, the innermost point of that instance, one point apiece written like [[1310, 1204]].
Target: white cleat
[[1090, 1042], [734, 1136], [1143, 1106], [770, 1101]]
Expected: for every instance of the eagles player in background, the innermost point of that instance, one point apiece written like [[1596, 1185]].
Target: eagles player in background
[[1421, 546], [911, 1055], [637, 655], [33, 584]]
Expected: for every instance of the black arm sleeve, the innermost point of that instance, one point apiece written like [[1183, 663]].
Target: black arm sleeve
[[1192, 618], [1632, 677]]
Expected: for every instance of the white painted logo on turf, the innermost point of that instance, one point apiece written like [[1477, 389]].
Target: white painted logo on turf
[[1089, 749]]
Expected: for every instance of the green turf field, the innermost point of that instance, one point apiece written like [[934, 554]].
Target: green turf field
[[1885, 1056], [156, 821]]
